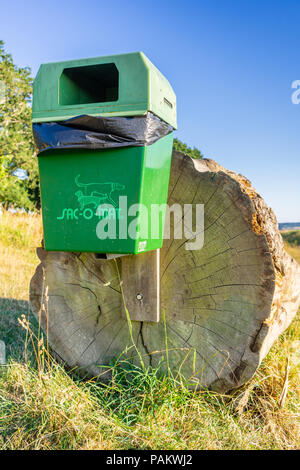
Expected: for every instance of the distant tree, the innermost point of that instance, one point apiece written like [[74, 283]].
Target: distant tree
[[17, 151], [182, 147]]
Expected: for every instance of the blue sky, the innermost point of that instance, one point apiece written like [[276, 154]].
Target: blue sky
[[230, 62]]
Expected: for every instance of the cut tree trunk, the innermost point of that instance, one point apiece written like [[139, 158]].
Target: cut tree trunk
[[222, 307]]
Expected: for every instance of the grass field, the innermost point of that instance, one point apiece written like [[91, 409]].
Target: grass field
[[44, 407], [293, 249]]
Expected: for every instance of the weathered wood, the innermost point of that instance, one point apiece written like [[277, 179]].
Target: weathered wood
[[222, 306], [141, 286]]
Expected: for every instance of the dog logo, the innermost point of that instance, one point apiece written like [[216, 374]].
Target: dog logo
[[96, 193]]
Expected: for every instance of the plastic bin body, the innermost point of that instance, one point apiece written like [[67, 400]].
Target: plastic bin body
[[75, 183]]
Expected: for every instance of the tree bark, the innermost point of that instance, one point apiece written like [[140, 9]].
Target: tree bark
[[222, 306]]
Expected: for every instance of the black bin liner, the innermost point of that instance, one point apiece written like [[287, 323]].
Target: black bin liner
[[97, 132]]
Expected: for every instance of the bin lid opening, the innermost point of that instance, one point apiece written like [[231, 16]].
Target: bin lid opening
[[89, 84]]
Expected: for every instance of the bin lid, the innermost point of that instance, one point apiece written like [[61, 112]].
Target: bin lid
[[117, 85]]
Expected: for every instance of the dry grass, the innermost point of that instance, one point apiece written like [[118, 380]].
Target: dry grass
[[19, 237], [44, 407], [292, 243], [294, 251]]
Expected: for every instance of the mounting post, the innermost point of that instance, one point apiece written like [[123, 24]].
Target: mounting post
[[141, 286]]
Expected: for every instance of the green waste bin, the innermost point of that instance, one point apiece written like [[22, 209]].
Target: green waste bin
[[103, 190]]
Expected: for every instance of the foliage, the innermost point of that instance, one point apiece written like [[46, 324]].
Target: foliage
[[16, 141], [182, 147], [293, 238]]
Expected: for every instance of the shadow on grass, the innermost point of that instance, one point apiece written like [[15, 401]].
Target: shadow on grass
[[12, 333]]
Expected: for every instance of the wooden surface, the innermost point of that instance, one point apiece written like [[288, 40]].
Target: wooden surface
[[222, 306], [141, 286]]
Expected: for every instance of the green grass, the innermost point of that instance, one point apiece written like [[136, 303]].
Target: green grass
[[44, 406]]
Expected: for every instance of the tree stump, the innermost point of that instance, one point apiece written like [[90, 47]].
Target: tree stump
[[222, 306]]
